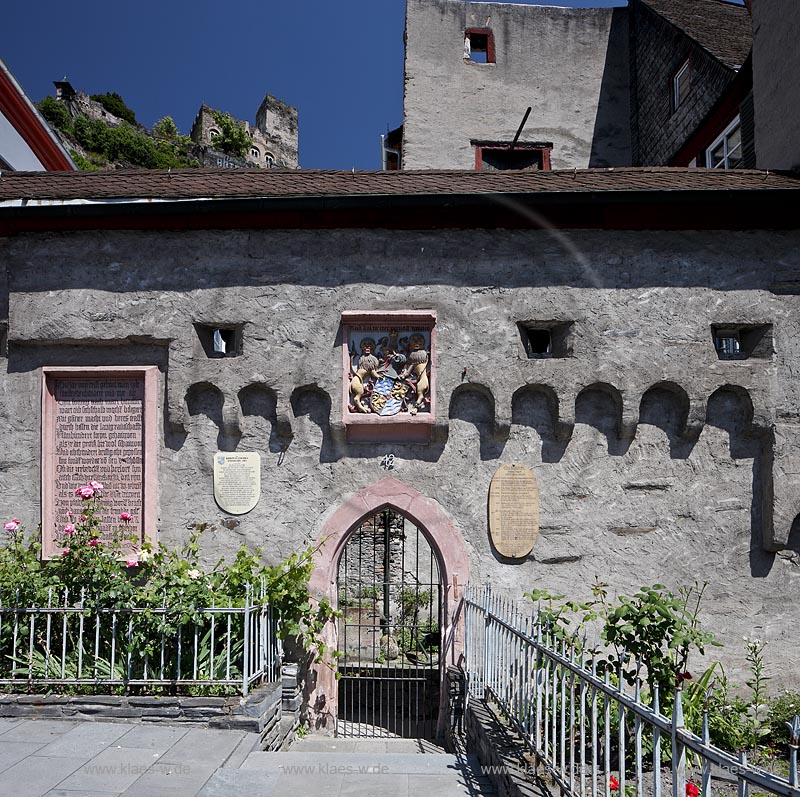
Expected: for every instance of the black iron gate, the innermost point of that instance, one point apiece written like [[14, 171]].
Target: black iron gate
[[390, 598]]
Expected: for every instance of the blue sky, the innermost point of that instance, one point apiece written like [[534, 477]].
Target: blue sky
[[340, 63]]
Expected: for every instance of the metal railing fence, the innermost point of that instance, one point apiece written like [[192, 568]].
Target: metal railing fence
[[81, 643], [586, 728]]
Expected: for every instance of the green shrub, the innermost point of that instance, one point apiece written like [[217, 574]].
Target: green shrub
[[782, 709], [113, 103], [232, 138], [56, 114], [84, 164], [128, 144]]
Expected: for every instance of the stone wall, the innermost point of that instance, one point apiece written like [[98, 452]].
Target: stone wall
[[777, 100], [656, 461], [658, 50], [569, 65]]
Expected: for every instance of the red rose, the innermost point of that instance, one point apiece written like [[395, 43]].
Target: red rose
[[613, 783], [692, 790]]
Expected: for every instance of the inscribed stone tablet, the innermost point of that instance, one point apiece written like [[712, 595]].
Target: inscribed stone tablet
[[237, 481], [513, 511], [98, 425]]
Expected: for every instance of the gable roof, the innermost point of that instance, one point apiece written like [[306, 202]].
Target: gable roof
[[723, 29]]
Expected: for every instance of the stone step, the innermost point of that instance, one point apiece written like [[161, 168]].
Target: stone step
[[357, 773]]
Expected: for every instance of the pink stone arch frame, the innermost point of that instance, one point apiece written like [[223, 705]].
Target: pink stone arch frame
[[448, 547]]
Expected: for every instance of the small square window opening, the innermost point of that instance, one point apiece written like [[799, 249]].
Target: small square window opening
[[743, 341], [727, 343], [546, 339], [479, 46], [220, 341]]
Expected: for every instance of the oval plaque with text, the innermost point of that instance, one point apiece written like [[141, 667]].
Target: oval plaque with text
[[237, 480], [513, 511]]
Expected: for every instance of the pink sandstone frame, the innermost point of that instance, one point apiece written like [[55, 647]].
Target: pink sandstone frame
[[394, 428], [149, 374], [449, 548]]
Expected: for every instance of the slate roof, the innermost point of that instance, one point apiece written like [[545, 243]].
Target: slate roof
[[145, 184], [724, 29]]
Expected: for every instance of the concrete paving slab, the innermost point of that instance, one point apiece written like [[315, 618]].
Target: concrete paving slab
[[227, 782], [448, 786], [113, 769], [152, 737], [7, 723], [83, 741], [80, 793], [203, 746], [38, 730], [389, 763], [247, 745], [33, 777], [370, 785], [323, 744], [170, 780], [11, 752]]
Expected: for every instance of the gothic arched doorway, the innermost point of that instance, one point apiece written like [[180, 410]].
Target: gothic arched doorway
[[390, 599], [447, 544]]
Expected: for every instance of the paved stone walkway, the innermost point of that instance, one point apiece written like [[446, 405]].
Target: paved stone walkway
[[104, 759]]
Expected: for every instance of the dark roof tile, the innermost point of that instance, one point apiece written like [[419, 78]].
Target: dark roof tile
[[724, 29], [144, 184]]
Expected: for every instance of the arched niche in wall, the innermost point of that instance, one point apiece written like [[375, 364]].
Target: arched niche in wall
[[665, 405], [313, 402], [600, 406], [474, 403], [206, 399], [537, 406], [259, 401]]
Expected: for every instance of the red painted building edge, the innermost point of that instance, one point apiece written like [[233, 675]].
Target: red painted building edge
[[718, 118], [16, 108]]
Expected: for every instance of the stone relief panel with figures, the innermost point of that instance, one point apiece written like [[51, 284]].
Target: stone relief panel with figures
[[389, 367]]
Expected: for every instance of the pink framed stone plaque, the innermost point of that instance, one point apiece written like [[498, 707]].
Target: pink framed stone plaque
[[388, 360], [100, 424]]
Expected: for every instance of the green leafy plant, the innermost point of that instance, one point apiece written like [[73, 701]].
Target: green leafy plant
[[56, 114], [232, 137], [101, 569], [114, 104], [782, 710], [758, 689]]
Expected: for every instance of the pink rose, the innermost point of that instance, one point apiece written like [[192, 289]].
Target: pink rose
[[12, 525], [69, 513], [85, 492], [64, 551], [126, 517], [131, 563], [93, 543], [83, 518], [69, 528], [96, 486]]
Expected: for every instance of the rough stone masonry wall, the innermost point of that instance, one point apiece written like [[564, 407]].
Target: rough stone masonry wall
[[570, 65], [637, 485]]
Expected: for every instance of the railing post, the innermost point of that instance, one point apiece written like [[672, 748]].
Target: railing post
[[794, 742], [678, 749], [488, 648], [246, 652]]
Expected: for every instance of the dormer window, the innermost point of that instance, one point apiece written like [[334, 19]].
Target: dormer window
[[479, 46], [681, 83]]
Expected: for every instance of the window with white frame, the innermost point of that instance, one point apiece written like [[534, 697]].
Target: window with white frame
[[681, 83], [269, 160], [254, 153], [726, 151]]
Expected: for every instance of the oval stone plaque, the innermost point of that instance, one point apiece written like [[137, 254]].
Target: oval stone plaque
[[237, 480], [513, 511]]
